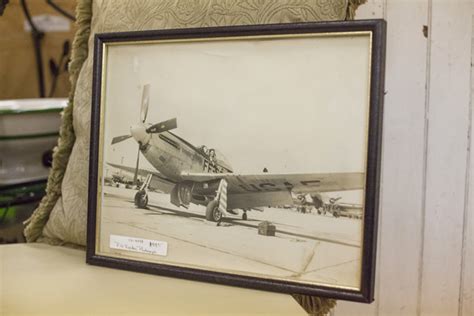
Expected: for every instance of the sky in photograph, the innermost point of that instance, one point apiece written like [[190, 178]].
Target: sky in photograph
[[284, 104]]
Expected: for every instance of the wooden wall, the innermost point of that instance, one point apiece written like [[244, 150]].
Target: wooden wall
[[18, 76], [425, 251]]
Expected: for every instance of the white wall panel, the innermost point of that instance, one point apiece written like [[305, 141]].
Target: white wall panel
[[447, 148], [372, 9], [467, 277], [401, 221]]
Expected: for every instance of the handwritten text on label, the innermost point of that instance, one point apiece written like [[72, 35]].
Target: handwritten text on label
[[154, 247]]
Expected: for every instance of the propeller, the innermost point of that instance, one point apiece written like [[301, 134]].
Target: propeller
[[162, 126], [145, 102], [119, 139], [135, 175], [153, 129]]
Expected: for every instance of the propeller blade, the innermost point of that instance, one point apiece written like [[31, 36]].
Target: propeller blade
[[119, 139], [334, 200], [162, 126], [135, 176], [145, 102]]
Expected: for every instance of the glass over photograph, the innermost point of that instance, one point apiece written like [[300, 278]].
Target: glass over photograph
[[241, 155]]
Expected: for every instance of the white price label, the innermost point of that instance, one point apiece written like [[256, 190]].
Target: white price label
[[154, 247]]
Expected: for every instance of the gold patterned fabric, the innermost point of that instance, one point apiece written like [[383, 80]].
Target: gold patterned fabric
[[202, 13]]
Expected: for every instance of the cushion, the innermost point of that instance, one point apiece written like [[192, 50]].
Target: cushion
[[62, 215], [39, 279]]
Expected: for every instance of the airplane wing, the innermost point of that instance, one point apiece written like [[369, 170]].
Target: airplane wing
[[158, 181], [265, 189], [350, 206]]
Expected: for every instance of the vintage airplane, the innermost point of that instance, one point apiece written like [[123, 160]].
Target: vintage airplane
[[203, 176], [325, 204]]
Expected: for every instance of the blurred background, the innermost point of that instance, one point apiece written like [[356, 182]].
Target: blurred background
[[35, 48]]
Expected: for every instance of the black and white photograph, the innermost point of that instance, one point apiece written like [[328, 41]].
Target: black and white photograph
[[241, 155]]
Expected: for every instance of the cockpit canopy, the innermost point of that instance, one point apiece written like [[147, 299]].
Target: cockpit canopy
[[216, 156], [222, 160]]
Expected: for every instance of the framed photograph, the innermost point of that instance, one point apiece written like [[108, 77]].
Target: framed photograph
[[246, 156]]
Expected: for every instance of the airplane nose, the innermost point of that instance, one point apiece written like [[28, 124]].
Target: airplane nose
[[139, 134]]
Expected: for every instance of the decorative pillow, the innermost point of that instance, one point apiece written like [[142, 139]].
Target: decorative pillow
[[62, 215]]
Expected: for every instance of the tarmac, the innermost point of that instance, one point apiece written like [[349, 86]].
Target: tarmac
[[306, 247]]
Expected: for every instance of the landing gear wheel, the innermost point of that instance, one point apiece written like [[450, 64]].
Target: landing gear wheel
[[141, 199], [212, 212], [244, 216]]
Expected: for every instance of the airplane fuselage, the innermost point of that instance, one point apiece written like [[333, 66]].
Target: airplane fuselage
[[171, 155]]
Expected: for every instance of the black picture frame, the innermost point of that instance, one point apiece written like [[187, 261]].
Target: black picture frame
[[377, 28]]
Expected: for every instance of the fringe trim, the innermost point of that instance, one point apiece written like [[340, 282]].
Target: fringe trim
[[315, 306], [35, 224], [352, 6]]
